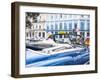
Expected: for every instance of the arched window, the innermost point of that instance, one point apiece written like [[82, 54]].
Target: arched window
[[26, 34], [88, 25], [33, 33], [70, 26], [43, 34], [51, 27], [60, 15], [39, 34], [82, 25], [65, 26], [60, 26], [75, 24], [47, 28], [56, 26], [30, 34], [51, 16]]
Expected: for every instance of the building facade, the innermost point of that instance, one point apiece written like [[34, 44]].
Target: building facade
[[56, 23], [37, 29]]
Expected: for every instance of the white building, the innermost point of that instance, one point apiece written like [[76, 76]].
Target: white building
[[37, 30], [66, 23], [55, 23]]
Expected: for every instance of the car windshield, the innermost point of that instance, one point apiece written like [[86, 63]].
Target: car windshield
[[63, 39]]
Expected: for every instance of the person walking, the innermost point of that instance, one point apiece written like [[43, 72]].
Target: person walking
[[76, 34], [87, 41]]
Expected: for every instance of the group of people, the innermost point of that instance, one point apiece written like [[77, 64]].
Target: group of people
[[78, 37]]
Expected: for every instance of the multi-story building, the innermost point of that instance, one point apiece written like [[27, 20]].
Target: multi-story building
[[56, 23], [37, 29]]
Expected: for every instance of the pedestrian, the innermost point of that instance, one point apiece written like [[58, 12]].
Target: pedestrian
[[76, 34], [87, 41], [76, 31]]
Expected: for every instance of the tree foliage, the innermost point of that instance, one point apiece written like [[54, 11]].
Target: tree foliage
[[30, 18]]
